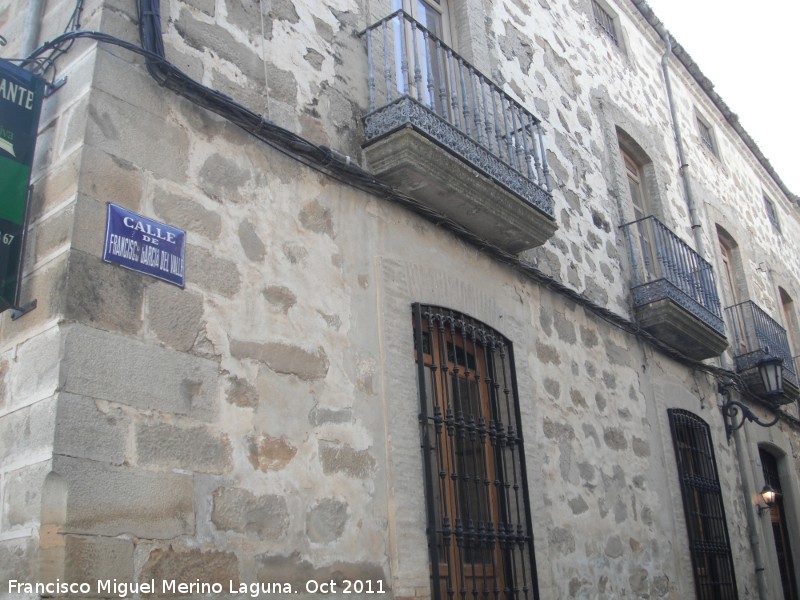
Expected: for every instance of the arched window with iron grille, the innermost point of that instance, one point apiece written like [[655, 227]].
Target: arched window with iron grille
[[479, 522], [709, 544]]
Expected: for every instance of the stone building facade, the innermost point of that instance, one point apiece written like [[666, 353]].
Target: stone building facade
[[263, 422]]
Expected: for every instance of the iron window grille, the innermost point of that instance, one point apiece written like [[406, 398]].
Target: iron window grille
[[605, 21], [479, 524], [707, 528]]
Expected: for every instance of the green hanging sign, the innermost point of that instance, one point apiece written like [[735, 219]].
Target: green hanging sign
[[21, 96]]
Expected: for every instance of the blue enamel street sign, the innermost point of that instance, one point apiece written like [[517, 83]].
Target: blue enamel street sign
[[21, 96], [141, 244]]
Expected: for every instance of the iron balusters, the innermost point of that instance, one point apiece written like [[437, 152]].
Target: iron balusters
[[428, 86]]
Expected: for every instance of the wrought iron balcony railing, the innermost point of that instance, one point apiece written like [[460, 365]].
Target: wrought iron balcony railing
[[756, 334], [664, 266], [416, 80]]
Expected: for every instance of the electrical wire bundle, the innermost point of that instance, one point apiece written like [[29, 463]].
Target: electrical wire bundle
[[43, 61]]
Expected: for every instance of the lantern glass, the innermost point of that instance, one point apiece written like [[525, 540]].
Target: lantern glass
[[769, 495], [771, 371]]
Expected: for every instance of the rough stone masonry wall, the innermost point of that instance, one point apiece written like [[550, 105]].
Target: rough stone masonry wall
[[167, 458], [555, 59], [261, 423], [31, 348], [570, 66]]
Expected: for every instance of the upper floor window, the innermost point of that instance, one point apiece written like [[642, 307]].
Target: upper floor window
[[791, 323], [637, 169], [789, 316], [434, 16], [479, 535], [733, 288], [710, 548], [707, 136], [605, 20], [772, 214], [731, 268], [640, 177], [635, 175]]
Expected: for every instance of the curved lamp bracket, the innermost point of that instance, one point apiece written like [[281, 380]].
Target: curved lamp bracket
[[736, 413]]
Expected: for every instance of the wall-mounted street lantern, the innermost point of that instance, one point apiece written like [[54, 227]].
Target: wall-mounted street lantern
[[769, 496], [770, 369]]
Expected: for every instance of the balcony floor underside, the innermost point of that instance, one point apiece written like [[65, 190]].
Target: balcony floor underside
[[678, 320]]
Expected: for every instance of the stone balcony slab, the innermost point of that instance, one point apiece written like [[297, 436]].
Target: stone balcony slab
[[424, 170], [673, 325]]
